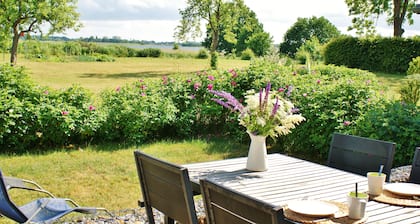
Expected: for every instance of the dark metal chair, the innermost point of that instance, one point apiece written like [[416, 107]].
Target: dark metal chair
[[43, 210], [224, 205], [360, 155], [167, 188], [415, 168]]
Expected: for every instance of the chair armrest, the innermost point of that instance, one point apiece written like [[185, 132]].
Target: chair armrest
[[17, 183]]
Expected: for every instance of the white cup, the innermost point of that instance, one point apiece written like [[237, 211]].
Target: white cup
[[376, 182], [357, 205]]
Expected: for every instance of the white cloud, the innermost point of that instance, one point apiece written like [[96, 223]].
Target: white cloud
[[157, 19]]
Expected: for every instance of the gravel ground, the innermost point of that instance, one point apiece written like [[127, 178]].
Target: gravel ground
[[138, 215]]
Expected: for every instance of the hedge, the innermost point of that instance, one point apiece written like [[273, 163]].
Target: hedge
[[390, 55]]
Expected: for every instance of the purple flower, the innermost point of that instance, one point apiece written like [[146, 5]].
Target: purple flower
[[143, 87], [229, 102], [64, 112], [143, 94], [118, 89], [275, 108], [233, 83], [281, 89], [295, 110], [346, 123], [210, 86], [188, 80], [210, 77], [46, 92], [318, 81], [91, 107]]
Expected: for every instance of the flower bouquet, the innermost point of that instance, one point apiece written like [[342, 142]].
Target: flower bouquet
[[266, 113]]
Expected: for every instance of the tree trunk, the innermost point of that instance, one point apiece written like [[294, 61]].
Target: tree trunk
[[213, 54], [398, 18], [14, 49]]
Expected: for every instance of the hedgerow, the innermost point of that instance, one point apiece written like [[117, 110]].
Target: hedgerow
[[331, 98]]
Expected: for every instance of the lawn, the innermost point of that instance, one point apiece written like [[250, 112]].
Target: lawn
[[106, 176], [97, 76]]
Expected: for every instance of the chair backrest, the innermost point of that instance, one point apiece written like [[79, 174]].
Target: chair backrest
[[360, 155], [415, 167], [224, 205], [7, 207], [165, 187]]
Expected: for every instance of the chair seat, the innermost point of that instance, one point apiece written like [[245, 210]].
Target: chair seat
[[52, 209]]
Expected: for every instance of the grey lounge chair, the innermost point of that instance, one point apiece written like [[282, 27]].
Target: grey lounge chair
[[14, 182], [360, 155], [167, 188], [415, 168], [42, 210], [224, 205]]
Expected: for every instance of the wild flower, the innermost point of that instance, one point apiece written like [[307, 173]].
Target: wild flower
[[266, 113]]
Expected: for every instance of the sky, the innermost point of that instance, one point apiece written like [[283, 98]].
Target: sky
[[157, 19]]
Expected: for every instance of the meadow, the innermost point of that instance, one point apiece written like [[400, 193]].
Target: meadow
[[105, 175], [97, 76]]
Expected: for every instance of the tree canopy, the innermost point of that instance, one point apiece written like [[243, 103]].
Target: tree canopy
[[247, 32], [18, 18], [304, 29], [366, 12], [216, 13]]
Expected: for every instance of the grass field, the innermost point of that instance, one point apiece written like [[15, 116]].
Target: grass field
[[106, 176], [97, 76]]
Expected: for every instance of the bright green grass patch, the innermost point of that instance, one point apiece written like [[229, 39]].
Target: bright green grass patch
[[106, 176], [392, 84], [97, 76]]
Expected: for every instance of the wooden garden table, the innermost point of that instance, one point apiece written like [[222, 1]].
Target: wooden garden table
[[289, 178]]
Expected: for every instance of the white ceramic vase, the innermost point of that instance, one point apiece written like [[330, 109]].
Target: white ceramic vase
[[257, 155]]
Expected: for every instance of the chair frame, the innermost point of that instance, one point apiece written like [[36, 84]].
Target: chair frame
[[415, 167], [225, 205], [24, 184], [167, 188], [360, 155], [16, 213]]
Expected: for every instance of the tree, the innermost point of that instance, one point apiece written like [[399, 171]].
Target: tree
[[304, 29], [23, 17], [215, 13], [238, 39], [366, 12]]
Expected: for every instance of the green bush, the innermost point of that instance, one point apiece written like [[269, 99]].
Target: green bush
[[136, 113], [203, 54], [32, 116], [414, 66], [247, 54], [392, 121], [331, 98], [391, 55], [149, 52], [410, 89]]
